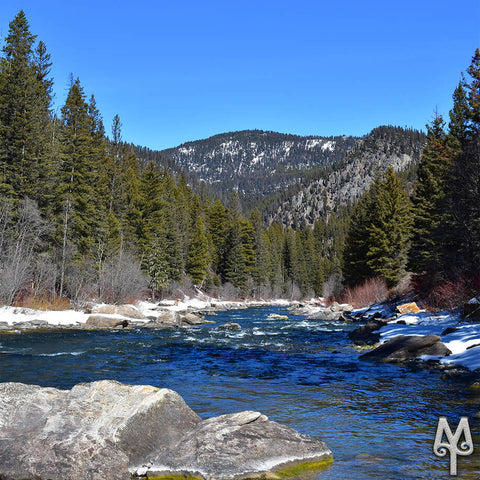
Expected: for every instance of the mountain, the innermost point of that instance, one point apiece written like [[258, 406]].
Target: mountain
[[257, 163], [342, 183]]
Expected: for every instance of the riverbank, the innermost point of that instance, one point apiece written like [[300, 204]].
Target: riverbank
[[460, 336], [188, 311]]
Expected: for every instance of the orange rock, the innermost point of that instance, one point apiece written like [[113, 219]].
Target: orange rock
[[408, 308]]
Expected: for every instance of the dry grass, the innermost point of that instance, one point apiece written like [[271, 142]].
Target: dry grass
[[44, 302]]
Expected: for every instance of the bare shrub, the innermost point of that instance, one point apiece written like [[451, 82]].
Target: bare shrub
[[121, 280], [292, 290], [333, 287], [373, 290], [228, 292], [17, 246], [80, 282], [451, 294]]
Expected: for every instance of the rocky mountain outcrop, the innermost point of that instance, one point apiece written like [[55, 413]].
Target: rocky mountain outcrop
[[107, 430], [345, 181]]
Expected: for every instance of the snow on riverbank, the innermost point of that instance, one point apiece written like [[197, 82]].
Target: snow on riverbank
[[66, 318], [460, 342]]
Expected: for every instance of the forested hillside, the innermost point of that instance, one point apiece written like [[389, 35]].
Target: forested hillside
[[257, 163]]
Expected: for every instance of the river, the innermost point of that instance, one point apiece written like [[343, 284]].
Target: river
[[379, 420]]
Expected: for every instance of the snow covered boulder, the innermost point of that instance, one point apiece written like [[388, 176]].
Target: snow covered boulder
[[125, 310]]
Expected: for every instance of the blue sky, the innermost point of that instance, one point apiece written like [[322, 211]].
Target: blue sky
[[185, 70]]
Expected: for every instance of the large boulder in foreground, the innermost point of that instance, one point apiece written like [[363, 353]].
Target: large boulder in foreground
[[94, 431], [403, 348], [240, 444], [107, 430]]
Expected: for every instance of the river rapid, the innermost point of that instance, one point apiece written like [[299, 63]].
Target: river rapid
[[379, 420]]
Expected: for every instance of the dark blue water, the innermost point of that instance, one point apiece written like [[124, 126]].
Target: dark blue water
[[379, 420]]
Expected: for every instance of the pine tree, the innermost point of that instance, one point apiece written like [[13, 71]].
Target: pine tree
[[78, 188], [217, 225], [390, 230], [355, 268], [235, 266], [198, 254], [259, 270], [377, 243], [428, 255], [24, 110]]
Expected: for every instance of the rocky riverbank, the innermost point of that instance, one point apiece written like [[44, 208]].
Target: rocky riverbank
[[107, 430]]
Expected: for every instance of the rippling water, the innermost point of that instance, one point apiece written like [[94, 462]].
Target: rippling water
[[379, 420]]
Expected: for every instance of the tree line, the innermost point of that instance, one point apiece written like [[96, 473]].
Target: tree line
[[84, 215]]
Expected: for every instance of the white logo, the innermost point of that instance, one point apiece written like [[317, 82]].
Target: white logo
[[452, 444]]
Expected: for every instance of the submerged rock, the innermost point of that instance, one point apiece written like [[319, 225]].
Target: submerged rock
[[230, 326], [107, 430], [403, 348]]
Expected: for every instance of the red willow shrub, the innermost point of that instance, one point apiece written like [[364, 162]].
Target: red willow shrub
[[373, 290]]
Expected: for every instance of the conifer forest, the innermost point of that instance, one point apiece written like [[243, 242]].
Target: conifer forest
[[85, 215]]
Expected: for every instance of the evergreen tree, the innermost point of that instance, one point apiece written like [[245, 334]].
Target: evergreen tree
[[198, 254], [235, 265], [78, 188], [24, 110], [390, 230], [217, 224], [260, 268], [378, 239], [355, 267], [429, 252]]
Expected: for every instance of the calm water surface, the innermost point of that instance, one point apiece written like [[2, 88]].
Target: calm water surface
[[379, 420]]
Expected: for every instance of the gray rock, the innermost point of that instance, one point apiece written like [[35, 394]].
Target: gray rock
[[403, 348], [192, 319], [241, 444], [125, 310], [168, 317], [367, 334], [93, 432], [102, 321], [106, 430], [230, 326]]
